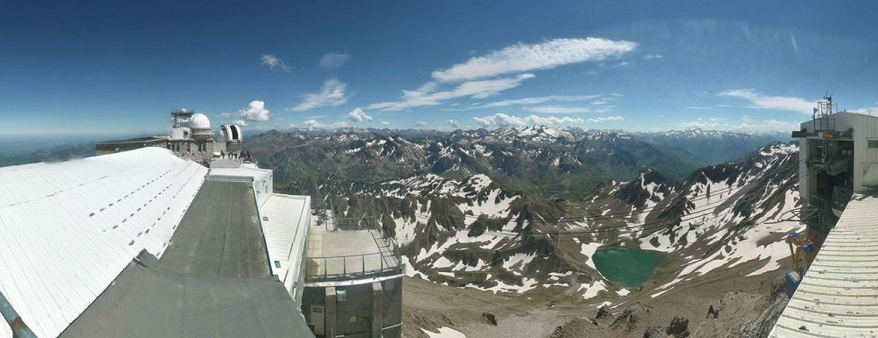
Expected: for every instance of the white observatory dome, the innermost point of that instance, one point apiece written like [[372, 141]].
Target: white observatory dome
[[199, 121], [232, 133]]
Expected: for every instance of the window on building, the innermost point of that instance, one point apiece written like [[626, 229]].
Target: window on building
[[872, 144], [341, 295]]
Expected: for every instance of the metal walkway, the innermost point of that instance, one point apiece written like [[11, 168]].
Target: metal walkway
[[838, 297]]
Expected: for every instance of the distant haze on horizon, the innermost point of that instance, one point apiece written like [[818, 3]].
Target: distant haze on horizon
[[108, 69]]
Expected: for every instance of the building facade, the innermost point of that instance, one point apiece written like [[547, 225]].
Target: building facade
[[838, 156], [353, 282]]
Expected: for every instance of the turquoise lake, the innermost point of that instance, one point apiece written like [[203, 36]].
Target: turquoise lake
[[626, 266]]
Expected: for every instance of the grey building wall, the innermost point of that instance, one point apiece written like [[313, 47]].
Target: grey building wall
[[356, 306]]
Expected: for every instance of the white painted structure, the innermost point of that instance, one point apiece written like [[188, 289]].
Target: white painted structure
[[865, 148], [838, 297], [262, 179], [68, 229], [285, 221]]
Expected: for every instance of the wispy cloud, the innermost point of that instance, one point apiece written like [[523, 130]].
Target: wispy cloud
[[255, 111], [487, 75], [334, 60], [332, 94], [867, 111], [606, 119], [787, 103], [428, 95], [565, 109], [538, 100], [453, 123], [274, 62], [522, 57], [358, 115], [504, 120], [653, 56], [241, 123], [420, 124]]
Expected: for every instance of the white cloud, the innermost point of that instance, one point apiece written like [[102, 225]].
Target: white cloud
[[699, 124], [748, 123], [867, 111], [241, 123], [332, 93], [274, 62], [312, 124], [564, 110], [538, 100], [504, 120], [653, 56], [606, 119], [386, 123], [420, 124], [453, 123], [787, 103], [358, 115], [427, 95], [522, 57], [333, 60], [255, 111]]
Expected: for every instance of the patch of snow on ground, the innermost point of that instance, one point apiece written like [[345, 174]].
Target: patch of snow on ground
[[623, 292], [517, 261], [658, 293], [442, 262], [588, 250], [409, 270], [593, 289], [444, 332]]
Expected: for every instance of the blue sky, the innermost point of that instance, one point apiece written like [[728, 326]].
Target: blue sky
[[108, 68]]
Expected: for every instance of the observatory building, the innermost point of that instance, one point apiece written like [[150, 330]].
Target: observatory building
[[191, 138], [838, 184], [168, 236]]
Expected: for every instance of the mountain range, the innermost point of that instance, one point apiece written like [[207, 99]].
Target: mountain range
[[523, 209]]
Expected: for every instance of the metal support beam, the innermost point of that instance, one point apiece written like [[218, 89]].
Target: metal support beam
[[19, 328]]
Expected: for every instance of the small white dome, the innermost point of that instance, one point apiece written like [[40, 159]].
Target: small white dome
[[199, 121]]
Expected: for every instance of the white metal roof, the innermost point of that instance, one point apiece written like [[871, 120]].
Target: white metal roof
[[838, 297], [285, 221], [68, 229], [254, 173]]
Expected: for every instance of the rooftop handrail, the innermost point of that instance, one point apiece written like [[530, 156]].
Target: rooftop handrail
[[327, 273]]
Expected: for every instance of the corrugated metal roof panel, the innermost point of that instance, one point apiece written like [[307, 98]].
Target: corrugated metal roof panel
[[838, 297], [254, 173], [285, 221], [69, 228]]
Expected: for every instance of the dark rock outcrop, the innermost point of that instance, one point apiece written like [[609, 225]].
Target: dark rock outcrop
[[678, 328], [489, 318]]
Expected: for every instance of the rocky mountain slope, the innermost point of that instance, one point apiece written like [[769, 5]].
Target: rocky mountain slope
[[455, 204], [711, 146], [550, 162]]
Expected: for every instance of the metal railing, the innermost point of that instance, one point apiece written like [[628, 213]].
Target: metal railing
[[386, 262], [335, 268]]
